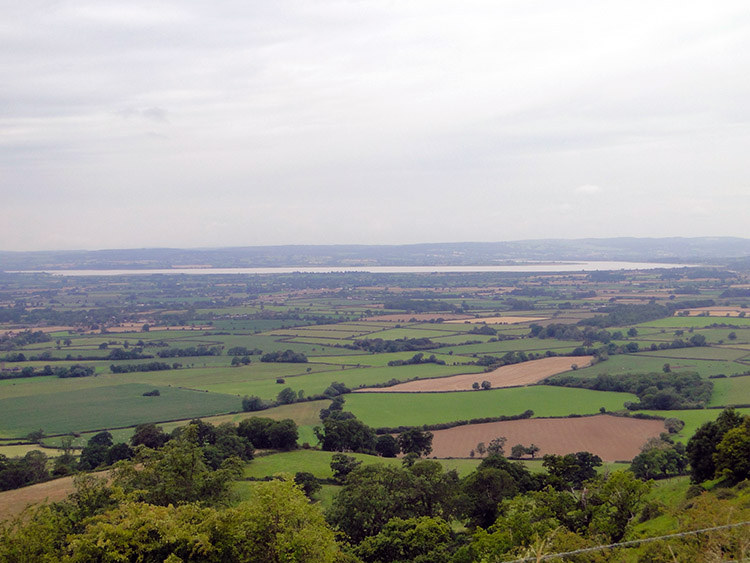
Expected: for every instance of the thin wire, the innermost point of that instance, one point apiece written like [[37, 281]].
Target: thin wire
[[631, 543]]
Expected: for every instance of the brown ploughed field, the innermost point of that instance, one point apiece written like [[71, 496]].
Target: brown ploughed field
[[612, 438], [515, 375]]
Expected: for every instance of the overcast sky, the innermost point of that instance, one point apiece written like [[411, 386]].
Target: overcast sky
[[198, 124]]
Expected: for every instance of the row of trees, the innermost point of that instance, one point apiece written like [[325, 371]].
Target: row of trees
[[660, 391], [378, 345], [624, 315], [289, 356], [76, 370], [287, 396], [417, 358], [218, 443], [190, 351], [19, 472]]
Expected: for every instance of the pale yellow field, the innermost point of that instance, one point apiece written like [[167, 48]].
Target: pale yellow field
[[515, 375], [499, 320], [421, 317], [136, 327], [12, 503], [22, 449], [717, 311]]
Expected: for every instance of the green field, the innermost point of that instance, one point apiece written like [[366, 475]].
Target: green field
[[380, 360], [413, 409], [462, 338], [106, 407], [319, 463], [730, 391], [504, 346], [305, 414], [221, 379], [696, 322], [693, 419], [315, 382], [399, 333], [700, 353], [653, 362]]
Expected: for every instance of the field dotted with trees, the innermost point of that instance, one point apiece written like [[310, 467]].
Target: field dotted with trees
[[374, 417]]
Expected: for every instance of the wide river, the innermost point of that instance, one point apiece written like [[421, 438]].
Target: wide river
[[582, 266]]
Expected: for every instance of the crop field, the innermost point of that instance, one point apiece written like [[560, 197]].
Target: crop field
[[319, 463], [20, 450], [305, 414], [399, 333], [717, 311], [379, 360], [395, 318], [13, 502], [505, 346], [318, 332], [610, 437], [462, 338], [677, 322], [653, 362], [525, 373], [316, 381], [316, 340], [692, 418], [731, 391], [106, 407], [502, 320], [724, 353], [413, 409]]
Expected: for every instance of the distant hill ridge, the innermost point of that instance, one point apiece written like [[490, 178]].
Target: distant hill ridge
[[715, 250]]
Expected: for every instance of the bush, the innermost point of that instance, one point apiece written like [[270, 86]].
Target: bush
[[253, 403]]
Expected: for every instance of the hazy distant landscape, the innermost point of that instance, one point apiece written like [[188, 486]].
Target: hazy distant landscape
[[707, 250]]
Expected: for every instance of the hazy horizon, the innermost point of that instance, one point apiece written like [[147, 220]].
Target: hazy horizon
[[179, 125], [394, 245]]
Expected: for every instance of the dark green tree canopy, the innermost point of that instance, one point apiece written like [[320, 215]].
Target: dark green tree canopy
[[415, 441]]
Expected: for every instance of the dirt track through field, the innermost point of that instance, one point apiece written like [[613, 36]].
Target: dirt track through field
[[515, 375], [612, 438]]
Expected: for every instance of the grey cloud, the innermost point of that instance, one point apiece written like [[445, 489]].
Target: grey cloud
[[353, 110], [151, 113]]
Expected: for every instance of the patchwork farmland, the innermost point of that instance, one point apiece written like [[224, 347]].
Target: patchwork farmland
[[467, 358]]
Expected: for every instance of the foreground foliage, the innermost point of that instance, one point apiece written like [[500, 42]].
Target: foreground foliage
[[277, 524]]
